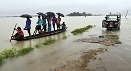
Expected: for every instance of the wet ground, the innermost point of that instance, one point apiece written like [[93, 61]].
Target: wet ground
[[77, 56], [107, 40]]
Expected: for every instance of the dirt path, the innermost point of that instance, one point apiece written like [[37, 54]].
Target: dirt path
[[80, 64]]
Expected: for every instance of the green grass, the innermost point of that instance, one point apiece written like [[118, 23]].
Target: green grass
[[49, 41], [37, 45], [64, 37], [24, 51], [100, 58], [9, 53], [81, 30]]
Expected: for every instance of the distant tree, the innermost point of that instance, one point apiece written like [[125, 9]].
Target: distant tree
[[89, 14], [79, 14]]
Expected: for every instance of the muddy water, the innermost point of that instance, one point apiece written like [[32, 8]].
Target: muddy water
[[9, 23], [49, 56]]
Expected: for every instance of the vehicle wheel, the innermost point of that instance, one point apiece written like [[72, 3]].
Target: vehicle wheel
[[119, 28]]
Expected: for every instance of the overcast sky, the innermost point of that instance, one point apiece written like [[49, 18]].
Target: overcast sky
[[18, 7]]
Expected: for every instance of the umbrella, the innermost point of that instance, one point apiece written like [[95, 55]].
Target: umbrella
[[51, 14], [60, 14], [26, 16], [42, 14]]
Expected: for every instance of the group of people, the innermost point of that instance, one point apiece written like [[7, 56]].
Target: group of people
[[43, 24]]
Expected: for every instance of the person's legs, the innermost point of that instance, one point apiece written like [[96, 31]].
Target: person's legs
[[49, 28], [62, 27], [58, 26], [19, 37], [39, 29], [16, 35], [28, 30], [44, 29], [54, 26]]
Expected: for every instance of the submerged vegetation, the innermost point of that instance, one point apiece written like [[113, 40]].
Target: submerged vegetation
[[8, 53], [37, 45], [81, 30], [49, 41], [64, 37], [100, 58]]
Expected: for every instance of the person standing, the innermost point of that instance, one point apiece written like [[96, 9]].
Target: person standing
[[44, 23], [58, 22], [39, 24], [54, 22], [28, 26], [49, 23]]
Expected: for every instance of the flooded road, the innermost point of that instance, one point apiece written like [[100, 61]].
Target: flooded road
[[54, 55], [118, 57]]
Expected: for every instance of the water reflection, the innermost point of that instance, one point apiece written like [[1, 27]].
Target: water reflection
[[63, 34], [107, 32], [113, 36], [18, 45], [58, 37], [30, 43], [39, 41], [22, 44], [45, 39]]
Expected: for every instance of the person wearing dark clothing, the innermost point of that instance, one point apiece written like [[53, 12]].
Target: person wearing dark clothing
[[44, 23], [28, 26], [54, 22], [63, 25]]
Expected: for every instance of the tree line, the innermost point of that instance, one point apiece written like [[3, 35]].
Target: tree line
[[79, 14]]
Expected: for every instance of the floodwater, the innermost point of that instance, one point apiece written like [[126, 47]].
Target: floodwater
[[49, 56]]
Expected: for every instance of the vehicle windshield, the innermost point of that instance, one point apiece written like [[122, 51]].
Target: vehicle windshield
[[111, 17]]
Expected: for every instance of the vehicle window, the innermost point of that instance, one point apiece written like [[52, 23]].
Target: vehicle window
[[111, 17]]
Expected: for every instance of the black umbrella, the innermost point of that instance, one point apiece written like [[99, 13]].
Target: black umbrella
[[26, 16], [60, 14], [52, 14], [42, 14]]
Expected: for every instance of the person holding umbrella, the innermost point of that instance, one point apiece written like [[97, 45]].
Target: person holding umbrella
[[43, 20], [49, 23], [44, 23], [58, 20], [53, 22], [28, 22], [39, 24], [28, 26]]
